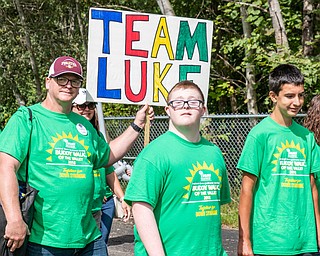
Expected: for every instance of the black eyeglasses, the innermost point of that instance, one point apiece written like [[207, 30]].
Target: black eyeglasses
[[63, 81], [179, 104], [91, 106]]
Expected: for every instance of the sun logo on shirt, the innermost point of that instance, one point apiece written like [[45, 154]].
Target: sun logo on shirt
[[66, 147], [287, 154], [201, 174]]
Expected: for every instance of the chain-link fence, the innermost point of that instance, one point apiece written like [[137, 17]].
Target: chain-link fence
[[228, 132]]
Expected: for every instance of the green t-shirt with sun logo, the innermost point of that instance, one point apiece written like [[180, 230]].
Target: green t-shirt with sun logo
[[185, 183], [64, 151], [282, 158], [101, 189]]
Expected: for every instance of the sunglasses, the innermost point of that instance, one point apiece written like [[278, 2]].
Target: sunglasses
[[91, 106]]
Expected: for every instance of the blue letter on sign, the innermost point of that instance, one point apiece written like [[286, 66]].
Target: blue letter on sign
[[102, 91], [106, 16]]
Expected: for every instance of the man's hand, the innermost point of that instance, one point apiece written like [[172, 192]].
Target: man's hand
[[141, 115], [15, 234], [122, 144]]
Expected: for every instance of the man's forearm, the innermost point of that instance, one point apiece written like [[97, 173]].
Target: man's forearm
[[122, 144], [16, 228], [9, 191]]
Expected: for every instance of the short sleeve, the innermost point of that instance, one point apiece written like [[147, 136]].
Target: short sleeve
[[15, 138], [251, 157]]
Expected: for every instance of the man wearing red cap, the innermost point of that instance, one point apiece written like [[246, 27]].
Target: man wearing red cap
[[64, 148]]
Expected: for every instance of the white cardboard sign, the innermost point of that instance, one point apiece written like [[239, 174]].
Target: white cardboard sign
[[136, 58]]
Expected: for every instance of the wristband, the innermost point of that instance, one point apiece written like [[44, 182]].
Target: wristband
[[136, 127], [121, 199]]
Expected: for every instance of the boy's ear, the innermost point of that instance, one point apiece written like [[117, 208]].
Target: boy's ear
[[204, 110], [273, 96], [166, 108]]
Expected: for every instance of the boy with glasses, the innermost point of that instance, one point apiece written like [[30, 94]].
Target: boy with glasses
[[64, 150], [278, 206], [180, 183]]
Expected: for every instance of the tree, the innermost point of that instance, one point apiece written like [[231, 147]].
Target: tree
[[250, 76], [165, 7], [28, 44], [278, 25], [307, 27]]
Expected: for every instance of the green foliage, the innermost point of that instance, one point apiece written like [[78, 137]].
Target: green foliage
[[113, 109], [60, 27], [230, 60]]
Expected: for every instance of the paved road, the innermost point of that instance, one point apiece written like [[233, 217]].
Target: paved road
[[121, 239]]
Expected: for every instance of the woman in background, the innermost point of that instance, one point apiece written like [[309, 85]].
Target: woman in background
[[312, 120], [106, 180]]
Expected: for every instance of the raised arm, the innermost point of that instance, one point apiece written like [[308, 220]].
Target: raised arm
[[245, 207], [121, 145], [16, 228], [147, 228]]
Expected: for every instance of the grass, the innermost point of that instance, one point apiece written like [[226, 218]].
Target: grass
[[229, 213]]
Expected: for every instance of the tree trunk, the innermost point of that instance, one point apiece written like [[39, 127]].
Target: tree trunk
[[222, 104], [29, 47], [81, 27], [234, 105], [250, 75], [317, 17], [19, 98], [307, 27], [278, 25], [165, 7]]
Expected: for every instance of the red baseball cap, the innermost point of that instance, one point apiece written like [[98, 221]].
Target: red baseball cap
[[64, 65]]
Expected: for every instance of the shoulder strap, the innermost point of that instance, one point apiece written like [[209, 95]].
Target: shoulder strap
[[30, 114], [28, 154]]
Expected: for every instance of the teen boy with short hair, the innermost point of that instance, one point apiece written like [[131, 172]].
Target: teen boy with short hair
[[276, 211]]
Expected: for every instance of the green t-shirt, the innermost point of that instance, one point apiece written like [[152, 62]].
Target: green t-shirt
[[282, 158], [64, 150], [185, 183], [101, 189]]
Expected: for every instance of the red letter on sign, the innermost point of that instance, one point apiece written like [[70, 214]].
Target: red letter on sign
[[142, 94], [134, 35]]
